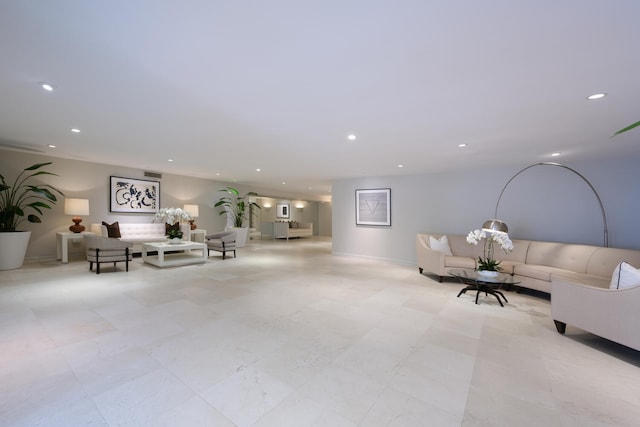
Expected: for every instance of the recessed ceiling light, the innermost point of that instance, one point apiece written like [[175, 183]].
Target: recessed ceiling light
[[75, 130], [400, 166], [217, 173], [351, 137], [462, 145], [284, 183], [555, 154], [170, 160], [46, 87], [258, 170], [596, 96], [52, 146]]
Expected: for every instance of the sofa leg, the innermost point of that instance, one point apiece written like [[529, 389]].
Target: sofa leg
[[560, 326], [126, 259], [420, 269], [97, 261], [441, 278]]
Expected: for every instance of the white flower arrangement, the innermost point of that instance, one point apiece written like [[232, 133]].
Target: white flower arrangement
[[502, 239], [172, 215]]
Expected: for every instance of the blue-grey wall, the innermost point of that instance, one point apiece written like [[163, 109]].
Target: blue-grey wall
[[546, 203]]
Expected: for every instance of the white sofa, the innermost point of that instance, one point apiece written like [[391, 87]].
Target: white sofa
[[533, 263], [288, 230], [138, 233], [610, 313]]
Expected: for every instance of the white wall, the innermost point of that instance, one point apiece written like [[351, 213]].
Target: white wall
[[543, 203], [78, 179]]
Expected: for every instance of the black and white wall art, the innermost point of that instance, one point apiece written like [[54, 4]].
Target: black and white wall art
[[373, 207], [134, 195]]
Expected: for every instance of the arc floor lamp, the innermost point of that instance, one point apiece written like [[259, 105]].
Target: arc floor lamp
[[497, 225]]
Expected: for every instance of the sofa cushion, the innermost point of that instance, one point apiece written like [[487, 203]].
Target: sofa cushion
[[440, 245], [625, 276], [605, 260], [113, 230], [560, 255], [540, 272], [459, 262]]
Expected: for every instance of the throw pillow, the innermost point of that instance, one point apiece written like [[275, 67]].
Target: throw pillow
[[440, 245], [113, 230], [625, 276]]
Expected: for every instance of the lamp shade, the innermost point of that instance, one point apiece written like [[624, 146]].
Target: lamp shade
[[495, 225], [76, 206], [192, 209]]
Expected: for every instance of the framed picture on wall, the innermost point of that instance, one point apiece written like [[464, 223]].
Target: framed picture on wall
[[130, 195], [283, 210], [373, 207]]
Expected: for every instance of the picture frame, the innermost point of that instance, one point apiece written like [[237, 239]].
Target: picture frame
[[130, 195], [283, 210], [373, 207]]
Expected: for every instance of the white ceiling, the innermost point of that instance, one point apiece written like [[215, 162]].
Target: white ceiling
[[230, 86]]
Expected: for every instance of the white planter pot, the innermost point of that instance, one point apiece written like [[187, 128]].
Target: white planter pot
[[241, 235], [487, 273], [13, 248]]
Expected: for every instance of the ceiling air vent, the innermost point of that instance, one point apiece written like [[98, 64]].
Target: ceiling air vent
[[153, 174]]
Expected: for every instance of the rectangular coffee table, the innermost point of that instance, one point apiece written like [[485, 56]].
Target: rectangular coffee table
[[172, 255]]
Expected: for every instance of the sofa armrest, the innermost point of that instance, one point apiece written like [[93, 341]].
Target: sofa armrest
[[610, 313], [429, 259]]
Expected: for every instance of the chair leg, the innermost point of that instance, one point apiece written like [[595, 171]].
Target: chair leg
[[97, 261], [234, 253], [126, 254], [90, 265]]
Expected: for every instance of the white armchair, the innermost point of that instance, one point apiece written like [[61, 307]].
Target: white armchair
[[105, 249], [224, 241]]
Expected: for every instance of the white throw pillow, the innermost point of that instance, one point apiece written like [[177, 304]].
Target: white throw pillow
[[440, 245], [625, 276]]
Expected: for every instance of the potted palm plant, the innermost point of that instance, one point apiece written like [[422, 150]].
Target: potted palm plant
[[16, 199], [236, 207]]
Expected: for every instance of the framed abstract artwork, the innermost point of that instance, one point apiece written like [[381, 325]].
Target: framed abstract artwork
[[282, 210], [134, 195], [373, 207]]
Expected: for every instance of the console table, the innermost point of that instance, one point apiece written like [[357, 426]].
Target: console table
[[62, 243]]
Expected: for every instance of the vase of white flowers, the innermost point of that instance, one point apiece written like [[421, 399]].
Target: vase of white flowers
[[488, 265], [172, 217]]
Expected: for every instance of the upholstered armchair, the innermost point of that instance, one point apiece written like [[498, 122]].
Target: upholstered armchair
[[106, 249], [224, 241]]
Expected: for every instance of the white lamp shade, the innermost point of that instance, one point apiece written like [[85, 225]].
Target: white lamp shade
[[193, 210], [76, 206]]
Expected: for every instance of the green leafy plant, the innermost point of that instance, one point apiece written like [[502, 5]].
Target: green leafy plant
[[235, 205], [17, 198], [175, 233], [628, 128]]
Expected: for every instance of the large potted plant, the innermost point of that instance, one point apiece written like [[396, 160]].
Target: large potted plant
[[16, 200], [236, 207]]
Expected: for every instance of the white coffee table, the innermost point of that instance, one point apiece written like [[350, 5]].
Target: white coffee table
[[180, 254]]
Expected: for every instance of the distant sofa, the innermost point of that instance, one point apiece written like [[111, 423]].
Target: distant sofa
[[291, 229], [138, 233], [534, 263]]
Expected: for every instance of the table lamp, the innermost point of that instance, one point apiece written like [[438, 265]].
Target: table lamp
[[193, 211], [76, 207]]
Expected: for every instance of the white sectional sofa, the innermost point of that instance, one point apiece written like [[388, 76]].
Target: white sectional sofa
[[288, 230], [534, 263], [138, 233]]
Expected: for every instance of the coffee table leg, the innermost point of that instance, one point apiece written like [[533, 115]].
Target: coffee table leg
[[502, 295]]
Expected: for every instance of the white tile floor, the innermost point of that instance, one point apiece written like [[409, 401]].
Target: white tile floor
[[289, 335]]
